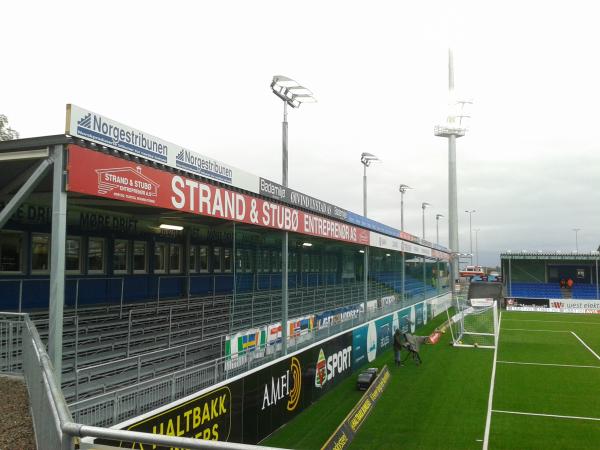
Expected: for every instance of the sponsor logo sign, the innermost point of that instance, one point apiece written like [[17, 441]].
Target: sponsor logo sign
[[371, 342], [207, 417], [102, 130], [574, 304], [101, 175], [275, 190], [328, 367], [287, 386]]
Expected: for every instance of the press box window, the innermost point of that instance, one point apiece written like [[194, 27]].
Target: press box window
[[120, 256], [140, 260], [11, 251], [40, 253], [192, 259], [217, 259], [227, 260], [175, 258], [95, 256], [73, 255], [160, 258], [203, 259]]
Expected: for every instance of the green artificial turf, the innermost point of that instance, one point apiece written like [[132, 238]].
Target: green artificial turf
[[550, 383], [313, 427], [443, 403]]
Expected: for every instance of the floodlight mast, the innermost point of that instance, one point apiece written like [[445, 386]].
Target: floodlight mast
[[403, 188], [292, 94], [366, 159], [451, 130]]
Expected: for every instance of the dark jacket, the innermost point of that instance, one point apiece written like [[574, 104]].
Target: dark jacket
[[397, 340]]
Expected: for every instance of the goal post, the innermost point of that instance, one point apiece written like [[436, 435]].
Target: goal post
[[475, 323]]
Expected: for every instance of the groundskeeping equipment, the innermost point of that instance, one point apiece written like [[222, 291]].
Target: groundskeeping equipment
[[475, 323]]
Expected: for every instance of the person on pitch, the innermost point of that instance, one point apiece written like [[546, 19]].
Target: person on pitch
[[397, 347]]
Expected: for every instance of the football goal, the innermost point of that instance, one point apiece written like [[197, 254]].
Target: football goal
[[475, 323]]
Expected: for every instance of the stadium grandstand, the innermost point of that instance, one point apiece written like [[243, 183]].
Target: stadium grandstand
[[150, 272], [546, 275]]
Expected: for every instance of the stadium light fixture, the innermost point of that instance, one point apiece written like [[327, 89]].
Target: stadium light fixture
[[387, 254], [165, 226], [424, 206], [306, 244], [293, 94], [402, 188], [361, 251]]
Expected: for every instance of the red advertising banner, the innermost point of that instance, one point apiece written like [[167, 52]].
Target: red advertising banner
[[101, 175]]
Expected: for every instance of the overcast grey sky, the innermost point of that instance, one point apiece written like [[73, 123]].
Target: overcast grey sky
[[198, 74]]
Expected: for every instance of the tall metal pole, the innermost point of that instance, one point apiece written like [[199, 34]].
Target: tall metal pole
[[285, 243], [576, 230], [403, 261], [402, 210], [471, 235], [423, 223], [424, 261], [452, 204], [437, 230], [366, 259], [57, 262], [477, 246]]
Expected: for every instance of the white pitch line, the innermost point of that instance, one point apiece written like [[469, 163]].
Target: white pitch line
[[549, 321], [546, 364], [488, 419], [546, 415], [528, 329], [585, 345]]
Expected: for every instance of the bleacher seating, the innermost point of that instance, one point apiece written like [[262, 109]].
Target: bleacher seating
[[535, 290], [141, 341], [585, 291]]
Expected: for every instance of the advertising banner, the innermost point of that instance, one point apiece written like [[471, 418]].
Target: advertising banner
[[524, 301], [419, 310], [574, 304], [285, 194], [344, 434], [97, 174], [102, 130], [250, 407]]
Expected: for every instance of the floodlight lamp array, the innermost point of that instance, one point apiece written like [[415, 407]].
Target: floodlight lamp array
[[291, 92], [368, 158]]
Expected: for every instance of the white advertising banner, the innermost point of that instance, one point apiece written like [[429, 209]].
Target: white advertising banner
[[391, 243], [93, 127], [567, 303]]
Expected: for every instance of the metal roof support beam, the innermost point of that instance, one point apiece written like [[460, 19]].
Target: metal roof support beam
[[23, 193], [57, 261], [25, 154]]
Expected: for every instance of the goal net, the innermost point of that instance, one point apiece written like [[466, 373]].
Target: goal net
[[475, 323]]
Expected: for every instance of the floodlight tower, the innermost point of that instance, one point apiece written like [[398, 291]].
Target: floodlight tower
[[294, 95], [366, 159], [452, 130]]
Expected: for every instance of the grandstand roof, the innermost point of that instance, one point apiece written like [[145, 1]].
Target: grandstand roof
[[573, 256]]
